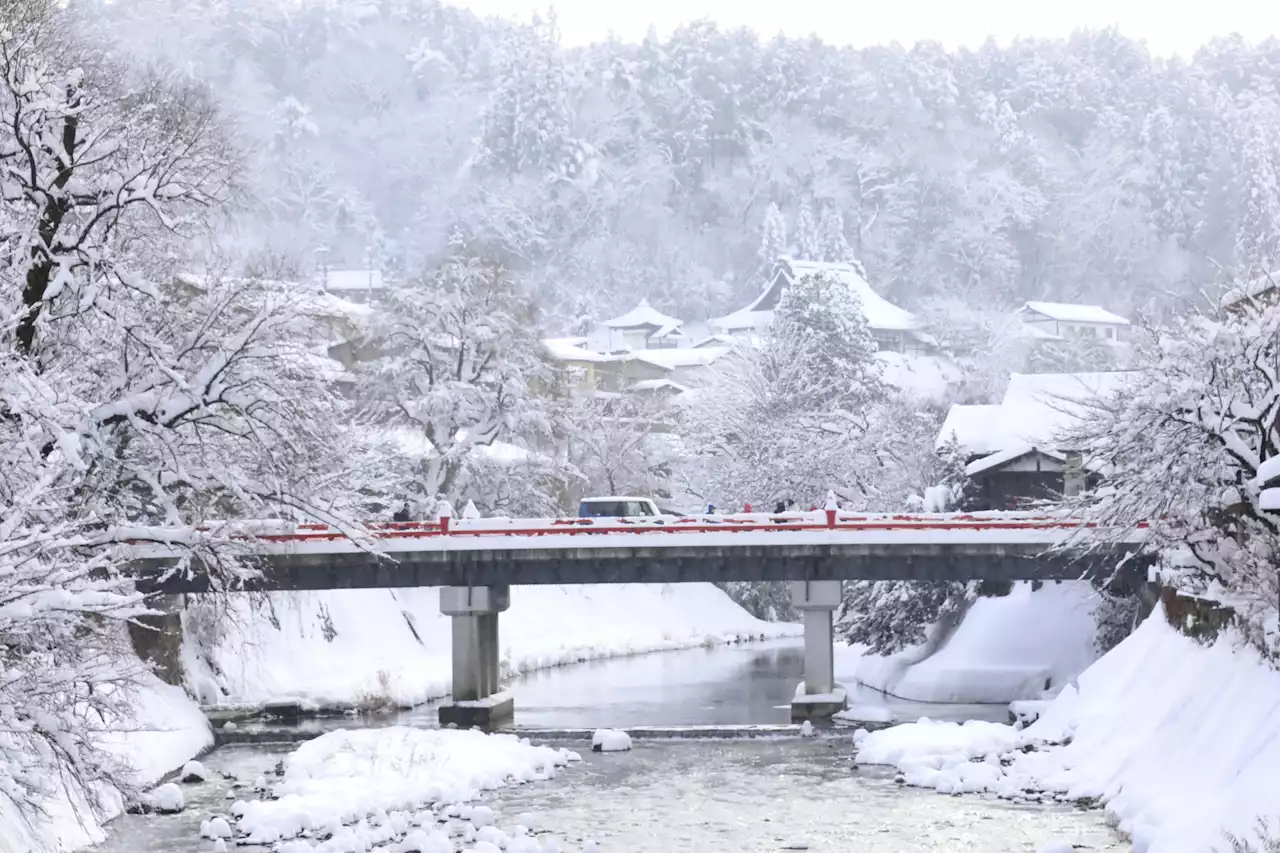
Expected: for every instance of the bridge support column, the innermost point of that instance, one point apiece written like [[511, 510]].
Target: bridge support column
[[476, 700], [818, 696]]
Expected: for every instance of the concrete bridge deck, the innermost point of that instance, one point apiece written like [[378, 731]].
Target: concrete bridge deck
[[1003, 547]]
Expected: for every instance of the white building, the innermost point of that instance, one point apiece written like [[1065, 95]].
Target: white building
[[894, 329], [645, 327], [354, 285], [1065, 321], [1019, 449]]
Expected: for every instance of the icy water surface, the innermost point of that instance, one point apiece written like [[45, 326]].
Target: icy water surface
[[704, 796]]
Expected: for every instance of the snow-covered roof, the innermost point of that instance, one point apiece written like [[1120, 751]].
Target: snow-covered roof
[[743, 320], [880, 312], [341, 280], [716, 340], [674, 359], [659, 385], [1009, 454], [642, 316], [976, 428], [571, 349], [670, 330], [1065, 387], [1068, 313], [345, 308], [1251, 289], [925, 377], [1036, 410]]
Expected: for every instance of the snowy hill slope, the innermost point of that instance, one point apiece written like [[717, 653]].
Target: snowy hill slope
[[369, 646]]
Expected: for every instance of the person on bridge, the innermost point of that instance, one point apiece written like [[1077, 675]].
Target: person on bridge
[[402, 514]]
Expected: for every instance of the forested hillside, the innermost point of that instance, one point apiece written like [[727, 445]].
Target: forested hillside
[[1077, 170]]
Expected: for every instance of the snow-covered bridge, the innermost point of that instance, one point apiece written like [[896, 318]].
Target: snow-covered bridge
[[477, 561], [796, 546]]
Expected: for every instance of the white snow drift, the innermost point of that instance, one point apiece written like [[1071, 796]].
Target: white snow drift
[[1179, 740]]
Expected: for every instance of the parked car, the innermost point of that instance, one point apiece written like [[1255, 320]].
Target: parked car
[[613, 506]]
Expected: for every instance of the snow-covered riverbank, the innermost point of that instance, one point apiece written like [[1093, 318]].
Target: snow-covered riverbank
[[369, 646], [1180, 741], [355, 647]]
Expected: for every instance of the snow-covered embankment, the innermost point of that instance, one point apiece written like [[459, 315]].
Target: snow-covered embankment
[[355, 647], [1180, 741]]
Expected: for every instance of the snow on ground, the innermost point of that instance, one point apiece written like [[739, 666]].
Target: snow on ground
[[343, 777], [370, 646], [167, 730], [1025, 645], [1180, 741]]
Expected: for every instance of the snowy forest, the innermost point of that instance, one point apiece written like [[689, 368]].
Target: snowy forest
[[1078, 170]]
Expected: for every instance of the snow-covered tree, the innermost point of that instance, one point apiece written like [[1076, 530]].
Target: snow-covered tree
[[1188, 447], [461, 375], [833, 246], [622, 445], [773, 238], [130, 397], [808, 239], [785, 419]]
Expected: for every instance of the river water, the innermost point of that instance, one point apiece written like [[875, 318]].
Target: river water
[[763, 794]]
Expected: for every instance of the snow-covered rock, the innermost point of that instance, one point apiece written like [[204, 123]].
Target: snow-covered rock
[[215, 827], [420, 841], [806, 729], [526, 820], [485, 847], [494, 836], [193, 771], [344, 776], [219, 846], [610, 740], [168, 799]]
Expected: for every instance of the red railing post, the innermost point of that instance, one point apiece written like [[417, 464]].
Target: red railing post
[[831, 507]]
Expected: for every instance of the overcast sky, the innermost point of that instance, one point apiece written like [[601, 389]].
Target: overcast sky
[[1168, 27]]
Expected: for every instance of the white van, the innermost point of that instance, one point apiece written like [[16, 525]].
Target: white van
[[614, 506]]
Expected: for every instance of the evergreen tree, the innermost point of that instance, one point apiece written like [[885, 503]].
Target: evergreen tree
[[808, 244], [832, 244], [773, 238]]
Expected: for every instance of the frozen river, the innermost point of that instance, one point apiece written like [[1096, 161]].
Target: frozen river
[[695, 794]]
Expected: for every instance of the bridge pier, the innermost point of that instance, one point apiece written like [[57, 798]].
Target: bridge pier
[[818, 696], [476, 699]]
